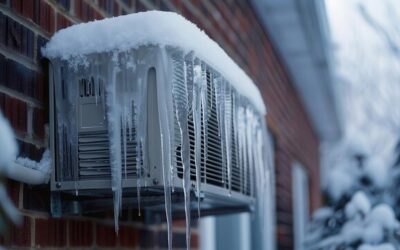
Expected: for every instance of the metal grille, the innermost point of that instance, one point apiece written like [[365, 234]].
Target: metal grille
[[94, 160], [93, 144], [213, 169]]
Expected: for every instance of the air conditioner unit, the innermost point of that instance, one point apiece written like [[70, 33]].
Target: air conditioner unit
[[166, 99], [147, 112]]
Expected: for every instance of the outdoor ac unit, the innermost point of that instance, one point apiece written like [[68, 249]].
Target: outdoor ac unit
[[154, 90]]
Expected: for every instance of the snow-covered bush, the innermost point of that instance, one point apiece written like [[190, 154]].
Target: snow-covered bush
[[362, 203]]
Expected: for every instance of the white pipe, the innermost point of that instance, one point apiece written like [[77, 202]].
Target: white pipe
[[26, 175]]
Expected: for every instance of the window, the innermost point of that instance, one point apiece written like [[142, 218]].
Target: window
[[300, 194]]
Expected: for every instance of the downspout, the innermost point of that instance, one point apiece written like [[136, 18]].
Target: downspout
[[26, 175]]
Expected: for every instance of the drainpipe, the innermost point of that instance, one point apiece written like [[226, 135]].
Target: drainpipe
[[26, 175]]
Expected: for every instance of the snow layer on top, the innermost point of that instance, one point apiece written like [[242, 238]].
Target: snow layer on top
[[150, 28], [8, 146]]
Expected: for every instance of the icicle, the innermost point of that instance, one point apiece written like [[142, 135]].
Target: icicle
[[236, 133], [114, 131], [167, 192], [180, 98], [219, 86], [124, 136], [141, 132], [124, 113], [228, 132], [249, 143], [59, 78], [165, 109], [198, 99], [240, 129], [205, 114], [205, 108], [141, 126]]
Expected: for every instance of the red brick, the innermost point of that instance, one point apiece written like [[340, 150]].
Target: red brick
[[46, 18], [3, 29], [21, 112], [19, 78], [66, 4], [128, 236], [178, 242], [36, 198], [62, 21], [178, 4], [164, 6], [105, 235], [17, 5], [28, 9], [149, 240], [30, 150], [110, 7], [80, 233], [50, 233], [13, 189], [84, 11], [17, 37], [42, 91], [117, 9], [179, 223], [140, 6], [97, 15], [40, 119], [41, 42], [15, 111], [21, 235], [194, 240]]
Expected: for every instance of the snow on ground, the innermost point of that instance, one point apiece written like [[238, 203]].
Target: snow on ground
[[8, 145], [150, 28]]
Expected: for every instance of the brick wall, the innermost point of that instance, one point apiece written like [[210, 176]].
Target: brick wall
[[26, 25]]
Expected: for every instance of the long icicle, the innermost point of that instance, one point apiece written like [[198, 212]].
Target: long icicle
[[114, 131], [198, 93], [228, 132], [164, 110], [182, 111]]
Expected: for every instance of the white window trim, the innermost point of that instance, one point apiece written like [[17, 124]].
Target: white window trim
[[300, 205]]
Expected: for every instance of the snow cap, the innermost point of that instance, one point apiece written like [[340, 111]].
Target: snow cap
[[150, 28]]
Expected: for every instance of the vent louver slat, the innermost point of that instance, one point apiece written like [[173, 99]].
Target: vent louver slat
[[93, 145]]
